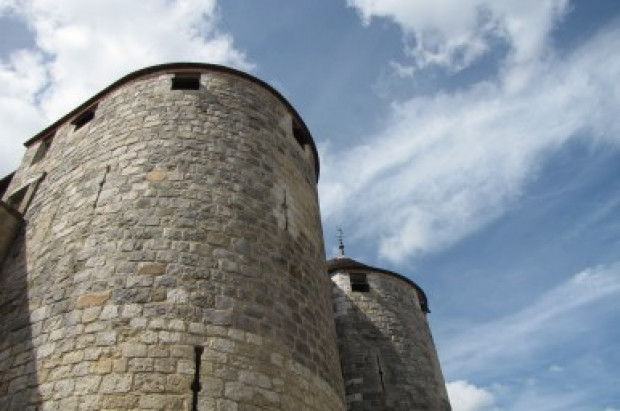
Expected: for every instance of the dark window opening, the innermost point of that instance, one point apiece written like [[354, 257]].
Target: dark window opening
[[359, 283], [17, 198], [44, 146], [84, 118], [299, 134], [20, 199], [4, 183], [186, 81]]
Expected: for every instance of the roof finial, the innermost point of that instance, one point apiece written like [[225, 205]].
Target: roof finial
[[340, 242]]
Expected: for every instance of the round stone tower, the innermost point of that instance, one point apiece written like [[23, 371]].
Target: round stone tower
[[172, 254], [387, 354]]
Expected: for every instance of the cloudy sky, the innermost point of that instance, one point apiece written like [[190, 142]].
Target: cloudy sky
[[473, 145]]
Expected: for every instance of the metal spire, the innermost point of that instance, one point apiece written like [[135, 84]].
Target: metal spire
[[340, 242]]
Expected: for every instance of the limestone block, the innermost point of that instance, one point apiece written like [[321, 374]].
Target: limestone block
[[93, 299]]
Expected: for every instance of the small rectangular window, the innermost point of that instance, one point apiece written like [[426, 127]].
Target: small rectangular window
[[186, 81], [84, 118], [299, 134], [44, 146], [359, 282]]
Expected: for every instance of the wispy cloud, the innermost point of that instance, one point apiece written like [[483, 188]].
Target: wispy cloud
[[447, 164], [568, 309], [83, 46], [454, 33], [533, 398]]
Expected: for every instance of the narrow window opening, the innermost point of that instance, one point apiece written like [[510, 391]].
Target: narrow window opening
[[196, 387], [186, 81], [299, 134], [20, 199], [284, 207], [84, 118], [44, 146], [16, 199], [359, 282]]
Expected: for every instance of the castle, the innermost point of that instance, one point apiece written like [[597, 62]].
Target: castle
[[161, 248]]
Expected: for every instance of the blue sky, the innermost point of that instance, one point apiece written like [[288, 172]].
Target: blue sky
[[471, 145]]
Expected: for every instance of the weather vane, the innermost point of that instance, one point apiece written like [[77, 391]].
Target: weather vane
[[341, 242]]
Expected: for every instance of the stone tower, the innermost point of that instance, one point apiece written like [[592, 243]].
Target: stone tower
[[387, 354], [170, 255]]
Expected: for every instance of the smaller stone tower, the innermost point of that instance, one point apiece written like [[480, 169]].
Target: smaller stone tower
[[387, 353]]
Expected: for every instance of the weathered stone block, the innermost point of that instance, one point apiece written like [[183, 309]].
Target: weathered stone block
[[156, 175], [152, 269], [109, 312], [93, 299], [106, 338], [90, 314], [238, 392], [150, 383], [87, 385], [116, 383], [101, 366], [134, 350]]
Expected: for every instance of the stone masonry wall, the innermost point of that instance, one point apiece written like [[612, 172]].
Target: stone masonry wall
[[388, 357], [173, 219]]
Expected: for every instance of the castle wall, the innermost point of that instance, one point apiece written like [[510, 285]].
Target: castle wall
[[174, 219], [387, 352]]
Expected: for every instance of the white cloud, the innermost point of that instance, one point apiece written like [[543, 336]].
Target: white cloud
[[558, 315], [454, 33], [21, 78], [447, 164], [467, 397], [84, 46], [534, 398]]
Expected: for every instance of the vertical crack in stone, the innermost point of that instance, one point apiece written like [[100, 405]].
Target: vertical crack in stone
[[380, 374], [196, 387]]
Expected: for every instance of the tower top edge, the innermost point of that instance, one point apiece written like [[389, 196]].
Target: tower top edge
[[182, 66], [340, 264]]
